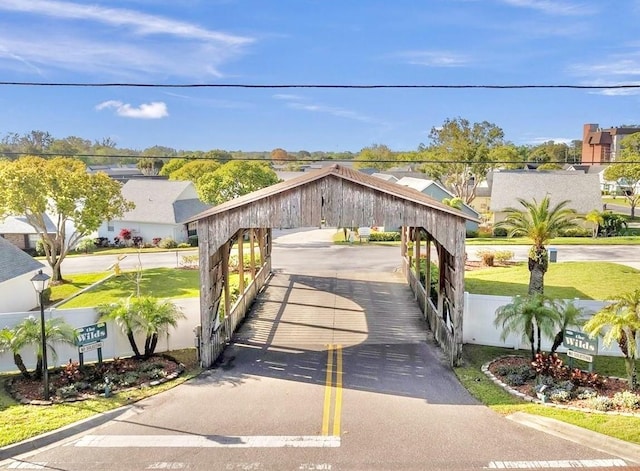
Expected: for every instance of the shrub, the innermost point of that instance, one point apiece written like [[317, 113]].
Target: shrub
[[499, 232], [503, 256], [125, 234], [600, 403], [137, 241], [156, 241], [190, 261], [40, 248], [559, 395], [384, 237], [576, 232], [472, 234], [586, 393], [168, 243], [85, 245], [184, 245], [487, 257], [626, 399], [585, 379], [550, 365]]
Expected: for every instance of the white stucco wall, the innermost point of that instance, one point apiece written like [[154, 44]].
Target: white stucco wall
[[18, 294], [116, 343], [147, 231]]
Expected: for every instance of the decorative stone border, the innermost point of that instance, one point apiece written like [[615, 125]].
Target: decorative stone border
[[526, 397], [40, 402]]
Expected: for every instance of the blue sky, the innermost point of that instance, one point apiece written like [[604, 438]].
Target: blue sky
[[430, 42]]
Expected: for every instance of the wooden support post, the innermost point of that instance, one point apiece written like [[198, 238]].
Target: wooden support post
[[403, 241], [226, 248], [458, 292], [442, 269], [416, 250], [252, 241], [427, 275], [241, 261]]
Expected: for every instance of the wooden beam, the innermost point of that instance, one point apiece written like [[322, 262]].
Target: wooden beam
[[252, 241], [226, 249], [416, 235], [241, 260]]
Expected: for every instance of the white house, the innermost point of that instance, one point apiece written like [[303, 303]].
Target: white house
[[16, 270], [161, 207]]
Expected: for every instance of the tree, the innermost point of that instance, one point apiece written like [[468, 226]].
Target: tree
[[454, 202], [61, 188], [28, 334], [377, 156], [539, 222], [233, 179], [626, 170], [142, 314], [281, 156], [568, 315], [171, 166], [530, 315], [550, 152], [621, 323], [461, 155], [193, 170], [595, 217]]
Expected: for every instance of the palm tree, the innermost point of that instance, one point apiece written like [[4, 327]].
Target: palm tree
[[595, 217], [568, 315], [621, 322], [10, 341], [158, 316], [530, 315], [122, 314], [142, 314], [540, 223], [27, 333]]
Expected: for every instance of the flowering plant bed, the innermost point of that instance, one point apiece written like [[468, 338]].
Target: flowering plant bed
[[72, 382], [548, 380]]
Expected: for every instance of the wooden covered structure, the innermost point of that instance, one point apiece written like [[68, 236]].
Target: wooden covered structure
[[336, 196]]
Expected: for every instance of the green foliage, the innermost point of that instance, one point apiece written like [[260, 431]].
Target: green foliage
[[377, 156], [499, 232], [384, 236], [85, 245], [235, 179], [461, 154], [503, 256], [487, 257], [612, 224], [193, 170], [171, 166], [31, 186], [575, 232], [626, 170], [167, 243]]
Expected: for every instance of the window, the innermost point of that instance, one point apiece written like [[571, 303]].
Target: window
[[32, 240], [110, 227]]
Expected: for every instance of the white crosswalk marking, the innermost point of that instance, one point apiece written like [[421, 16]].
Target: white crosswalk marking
[[557, 464], [213, 441]]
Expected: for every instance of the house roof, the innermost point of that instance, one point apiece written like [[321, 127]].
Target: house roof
[[419, 184], [161, 201], [14, 262], [582, 190], [19, 225], [341, 172], [385, 176]]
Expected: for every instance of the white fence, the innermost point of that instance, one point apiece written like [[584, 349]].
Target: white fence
[[116, 343], [479, 312]]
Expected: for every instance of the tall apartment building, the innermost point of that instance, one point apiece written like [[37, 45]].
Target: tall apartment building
[[602, 145]]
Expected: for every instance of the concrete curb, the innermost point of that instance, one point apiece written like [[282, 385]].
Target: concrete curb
[[33, 444], [597, 441]]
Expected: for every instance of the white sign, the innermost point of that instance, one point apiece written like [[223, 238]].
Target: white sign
[[89, 347], [364, 231], [580, 356]]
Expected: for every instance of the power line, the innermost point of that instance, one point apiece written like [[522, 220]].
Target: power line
[[322, 86]]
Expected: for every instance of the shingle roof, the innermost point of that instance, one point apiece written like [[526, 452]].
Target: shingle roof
[[338, 171], [14, 262], [19, 225], [583, 190], [161, 201]]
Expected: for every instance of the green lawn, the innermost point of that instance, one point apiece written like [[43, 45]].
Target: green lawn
[[566, 280], [75, 283], [19, 422], [158, 282], [472, 377]]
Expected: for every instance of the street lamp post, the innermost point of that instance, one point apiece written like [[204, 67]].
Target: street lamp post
[[40, 281]]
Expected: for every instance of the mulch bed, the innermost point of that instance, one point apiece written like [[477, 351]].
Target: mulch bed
[[72, 383], [609, 388]]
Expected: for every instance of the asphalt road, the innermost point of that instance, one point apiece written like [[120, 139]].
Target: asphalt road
[[333, 370]]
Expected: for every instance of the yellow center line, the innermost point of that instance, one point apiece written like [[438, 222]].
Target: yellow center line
[[338, 407], [327, 392]]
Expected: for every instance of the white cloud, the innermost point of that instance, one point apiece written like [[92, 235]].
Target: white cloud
[[542, 140], [434, 58], [298, 102], [554, 7], [618, 70], [141, 23], [112, 42], [153, 110]]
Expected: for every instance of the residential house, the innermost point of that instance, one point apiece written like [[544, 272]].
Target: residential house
[[16, 270], [20, 233], [439, 193], [582, 190], [161, 207], [603, 145]]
